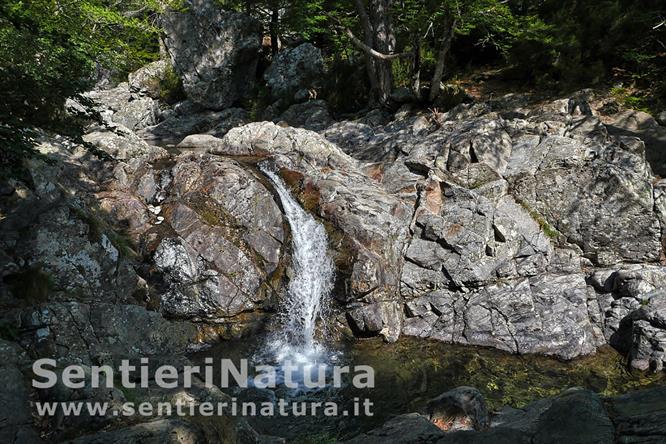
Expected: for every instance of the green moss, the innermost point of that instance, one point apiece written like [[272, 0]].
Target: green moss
[[414, 370], [170, 87], [545, 226], [627, 98]]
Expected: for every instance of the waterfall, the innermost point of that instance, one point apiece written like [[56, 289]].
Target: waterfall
[[310, 285]]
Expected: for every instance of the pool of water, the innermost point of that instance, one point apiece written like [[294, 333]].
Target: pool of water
[[411, 371]]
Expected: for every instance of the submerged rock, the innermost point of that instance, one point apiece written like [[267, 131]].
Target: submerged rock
[[462, 408]]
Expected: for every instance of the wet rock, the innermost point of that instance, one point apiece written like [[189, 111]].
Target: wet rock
[[462, 408], [639, 416], [379, 318], [403, 429], [215, 52]]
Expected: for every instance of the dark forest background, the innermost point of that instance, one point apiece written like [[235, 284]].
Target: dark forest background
[[51, 50]]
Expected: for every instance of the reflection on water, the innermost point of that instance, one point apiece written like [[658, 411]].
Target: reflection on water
[[412, 371]]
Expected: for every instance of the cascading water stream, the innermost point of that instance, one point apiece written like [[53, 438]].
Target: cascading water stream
[[310, 285]]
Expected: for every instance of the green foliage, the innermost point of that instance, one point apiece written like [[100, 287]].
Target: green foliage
[[171, 87], [629, 99], [582, 43], [50, 50], [300, 19]]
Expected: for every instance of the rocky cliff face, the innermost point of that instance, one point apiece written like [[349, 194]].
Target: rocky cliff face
[[496, 224], [530, 228], [483, 227], [514, 210], [129, 254]]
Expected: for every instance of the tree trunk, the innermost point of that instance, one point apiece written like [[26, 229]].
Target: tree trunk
[[379, 36], [275, 36], [369, 42], [380, 17], [416, 67], [441, 59]]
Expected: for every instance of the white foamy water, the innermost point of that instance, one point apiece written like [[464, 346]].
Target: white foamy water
[[309, 288]]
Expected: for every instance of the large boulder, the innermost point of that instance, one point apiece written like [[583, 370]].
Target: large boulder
[[639, 416], [295, 72], [228, 239], [149, 79], [547, 314], [575, 416], [123, 107], [631, 312], [513, 204], [214, 51]]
